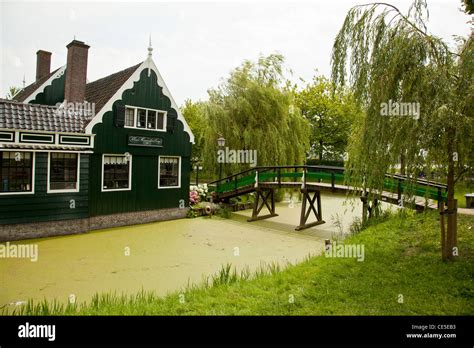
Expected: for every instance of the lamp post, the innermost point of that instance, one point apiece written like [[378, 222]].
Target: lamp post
[[194, 164], [197, 168], [221, 144]]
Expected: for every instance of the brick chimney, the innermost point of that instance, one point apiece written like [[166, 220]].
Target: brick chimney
[[43, 64], [76, 72]]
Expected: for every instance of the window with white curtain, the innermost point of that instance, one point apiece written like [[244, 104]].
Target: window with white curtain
[[116, 172], [169, 171]]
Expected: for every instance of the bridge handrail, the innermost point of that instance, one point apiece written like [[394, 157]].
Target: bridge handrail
[[330, 168], [421, 181], [318, 168], [266, 168]]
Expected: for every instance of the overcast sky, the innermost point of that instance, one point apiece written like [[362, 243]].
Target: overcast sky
[[195, 44]]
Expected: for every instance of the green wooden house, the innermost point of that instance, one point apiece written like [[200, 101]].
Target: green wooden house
[[78, 156]]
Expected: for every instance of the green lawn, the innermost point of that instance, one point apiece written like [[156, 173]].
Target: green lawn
[[461, 189], [402, 258]]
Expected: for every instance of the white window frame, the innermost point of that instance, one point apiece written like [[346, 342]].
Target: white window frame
[[33, 165], [135, 118], [49, 190], [179, 173], [129, 188]]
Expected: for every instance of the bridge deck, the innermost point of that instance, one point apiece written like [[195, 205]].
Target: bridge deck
[[386, 196], [312, 180], [328, 179]]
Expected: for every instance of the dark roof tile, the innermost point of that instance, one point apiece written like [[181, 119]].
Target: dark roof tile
[[40, 118], [100, 91]]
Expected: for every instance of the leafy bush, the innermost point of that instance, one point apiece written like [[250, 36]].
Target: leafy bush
[[225, 212]]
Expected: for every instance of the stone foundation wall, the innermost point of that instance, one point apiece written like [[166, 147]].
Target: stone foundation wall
[[42, 229], [134, 218], [67, 227]]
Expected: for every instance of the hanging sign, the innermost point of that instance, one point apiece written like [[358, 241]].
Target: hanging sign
[[138, 140]]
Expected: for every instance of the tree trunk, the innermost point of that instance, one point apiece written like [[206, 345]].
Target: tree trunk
[[443, 232], [320, 149], [321, 138], [452, 228], [402, 164]]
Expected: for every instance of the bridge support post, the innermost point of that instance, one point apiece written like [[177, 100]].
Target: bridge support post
[[373, 209], [263, 197], [364, 208], [368, 211], [305, 213]]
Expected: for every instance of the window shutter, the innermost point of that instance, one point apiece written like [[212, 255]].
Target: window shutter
[[119, 116], [170, 123]]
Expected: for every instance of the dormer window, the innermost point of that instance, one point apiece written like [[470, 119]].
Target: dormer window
[[151, 120], [142, 118], [129, 117], [161, 120]]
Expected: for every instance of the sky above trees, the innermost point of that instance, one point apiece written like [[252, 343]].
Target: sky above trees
[[195, 44]]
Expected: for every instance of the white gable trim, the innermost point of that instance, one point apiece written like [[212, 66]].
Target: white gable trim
[[48, 82], [147, 64], [161, 82]]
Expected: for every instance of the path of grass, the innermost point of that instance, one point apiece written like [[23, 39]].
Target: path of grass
[[402, 259]]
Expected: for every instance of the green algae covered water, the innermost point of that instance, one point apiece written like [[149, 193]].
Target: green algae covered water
[[165, 256]]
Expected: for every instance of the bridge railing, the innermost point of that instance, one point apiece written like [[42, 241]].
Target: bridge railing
[[420, 187], [276, 173], [394, 183]]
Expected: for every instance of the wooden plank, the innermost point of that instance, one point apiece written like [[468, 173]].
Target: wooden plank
[[262, 217], [311, 224]]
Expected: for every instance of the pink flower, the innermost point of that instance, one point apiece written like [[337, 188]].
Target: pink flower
[[193, 197]]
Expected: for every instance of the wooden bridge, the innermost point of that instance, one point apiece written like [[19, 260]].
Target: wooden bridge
[[312, 180]]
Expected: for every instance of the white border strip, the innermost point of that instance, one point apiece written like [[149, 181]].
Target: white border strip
[[52, 137], [12, 137], [62, 142]]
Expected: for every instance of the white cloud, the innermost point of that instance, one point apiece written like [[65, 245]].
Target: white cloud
[[15, 61], [195, 44], [72, 15]]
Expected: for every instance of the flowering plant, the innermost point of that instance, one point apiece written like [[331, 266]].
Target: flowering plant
[[201, 190], [193, 197]]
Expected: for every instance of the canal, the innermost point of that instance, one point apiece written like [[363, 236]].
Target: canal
[[165, 256]]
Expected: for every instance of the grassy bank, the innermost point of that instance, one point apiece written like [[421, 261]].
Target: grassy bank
[[461, 189], [402, 274]]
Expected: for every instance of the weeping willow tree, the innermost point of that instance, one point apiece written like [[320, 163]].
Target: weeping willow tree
[[254, 109], [387, 56]]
